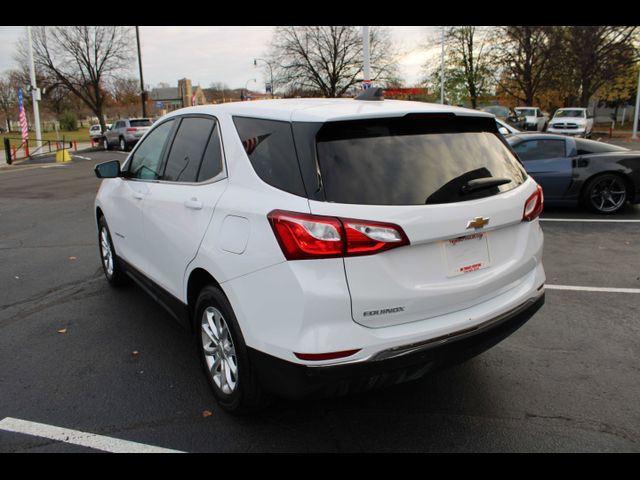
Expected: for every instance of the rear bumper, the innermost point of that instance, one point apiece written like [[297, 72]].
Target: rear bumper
[[409, 362]]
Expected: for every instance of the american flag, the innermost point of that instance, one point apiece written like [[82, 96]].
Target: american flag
[[250, 144], [23, 118]]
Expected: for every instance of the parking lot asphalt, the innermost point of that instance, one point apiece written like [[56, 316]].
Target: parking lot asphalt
[[77, 354]]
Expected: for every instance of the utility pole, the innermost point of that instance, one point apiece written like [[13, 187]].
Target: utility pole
[[366, 81], [35, 93], [442, 70], [142, 93], [635, 116]]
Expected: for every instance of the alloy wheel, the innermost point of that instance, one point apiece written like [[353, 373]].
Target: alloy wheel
[[219, 350], [608, 194], [106, 251]]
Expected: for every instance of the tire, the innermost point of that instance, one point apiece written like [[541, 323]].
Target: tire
[[606, 194], [123, 145], [224, 355], [105, 144], [111, 266]]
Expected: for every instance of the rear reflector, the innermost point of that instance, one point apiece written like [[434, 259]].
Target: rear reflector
[[304, 236], [316, 357], [534, 205]]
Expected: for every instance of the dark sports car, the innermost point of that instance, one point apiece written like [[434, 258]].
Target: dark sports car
[[576, 171]]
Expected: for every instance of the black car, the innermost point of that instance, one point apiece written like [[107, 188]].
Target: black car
[[576, 171]]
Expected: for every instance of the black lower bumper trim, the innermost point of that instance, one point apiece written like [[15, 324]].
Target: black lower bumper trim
[[291, 380]]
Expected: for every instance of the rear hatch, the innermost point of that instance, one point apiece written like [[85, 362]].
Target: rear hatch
[[452, 186], [138, 127]]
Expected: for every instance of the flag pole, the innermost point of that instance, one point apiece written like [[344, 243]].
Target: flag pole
[[35, 93], [366, 81]]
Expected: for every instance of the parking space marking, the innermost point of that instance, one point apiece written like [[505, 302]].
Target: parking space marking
[[595, 220], [75, 437], [31, 167], [576, 288]]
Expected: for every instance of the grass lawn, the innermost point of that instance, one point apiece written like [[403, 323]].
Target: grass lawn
[[80, 135]]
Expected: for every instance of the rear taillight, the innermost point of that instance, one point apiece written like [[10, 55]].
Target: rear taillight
[[533, 206], [303, 236], [132, 129]]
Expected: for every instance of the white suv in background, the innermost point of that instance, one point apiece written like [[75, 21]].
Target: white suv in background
[[324, 246]]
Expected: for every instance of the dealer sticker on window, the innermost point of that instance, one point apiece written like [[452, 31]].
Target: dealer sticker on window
[[466, 254]]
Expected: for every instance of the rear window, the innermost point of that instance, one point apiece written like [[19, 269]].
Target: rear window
[[586, 147], [570, 113], [413, 160], [270, 147], [142, 122]]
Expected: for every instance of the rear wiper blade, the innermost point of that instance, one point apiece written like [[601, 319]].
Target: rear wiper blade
[[482, 183]]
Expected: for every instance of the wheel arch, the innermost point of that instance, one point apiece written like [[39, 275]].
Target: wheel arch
[[627, 178], [99, 215], [198, 278]]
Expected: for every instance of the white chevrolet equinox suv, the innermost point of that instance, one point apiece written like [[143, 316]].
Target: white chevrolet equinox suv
[[325, 246]]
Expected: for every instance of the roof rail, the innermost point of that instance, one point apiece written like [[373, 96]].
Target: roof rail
[[371, 94]]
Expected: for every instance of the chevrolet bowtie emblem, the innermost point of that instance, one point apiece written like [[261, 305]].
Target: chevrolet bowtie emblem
[[478, 222]]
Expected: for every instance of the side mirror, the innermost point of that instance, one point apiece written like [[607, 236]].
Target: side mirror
[[108, 169]]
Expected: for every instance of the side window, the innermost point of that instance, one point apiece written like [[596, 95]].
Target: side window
[[147, 158], [270, 147], [183, 162], [540, 149], [212, 160]]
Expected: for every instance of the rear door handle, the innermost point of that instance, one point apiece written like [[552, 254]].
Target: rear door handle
[[193, 204]]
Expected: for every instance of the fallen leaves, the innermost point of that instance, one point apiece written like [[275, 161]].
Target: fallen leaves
[[206, 413], [62, 330]]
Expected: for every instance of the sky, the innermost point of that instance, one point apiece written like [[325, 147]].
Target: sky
[[225, 54]]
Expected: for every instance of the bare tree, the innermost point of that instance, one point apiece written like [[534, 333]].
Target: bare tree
[[469, 59], [83, 59], [328, 59], [528, 57], [596, 55], [8, 96]]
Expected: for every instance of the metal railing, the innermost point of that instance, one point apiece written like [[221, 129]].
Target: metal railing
[[46, 147]]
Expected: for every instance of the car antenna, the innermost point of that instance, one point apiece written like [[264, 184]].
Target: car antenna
[[371, 94]]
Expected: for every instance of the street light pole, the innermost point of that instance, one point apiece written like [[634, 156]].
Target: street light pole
[[366, 80], [246, 86], [442, 70], [255, 64], [635, 116], [35, 93], [142, 93]]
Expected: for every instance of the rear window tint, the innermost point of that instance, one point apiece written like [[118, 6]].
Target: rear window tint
[[586, 147], [413, 160], [270, 147], [140, 123]]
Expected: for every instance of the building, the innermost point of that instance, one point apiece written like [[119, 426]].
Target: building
[[167, 99]]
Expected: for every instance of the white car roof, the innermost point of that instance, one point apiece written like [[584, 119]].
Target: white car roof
[[326, 109]]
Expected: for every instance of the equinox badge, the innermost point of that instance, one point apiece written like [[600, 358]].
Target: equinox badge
[[477, 222]]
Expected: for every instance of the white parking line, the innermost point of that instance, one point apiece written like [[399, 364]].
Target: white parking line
[[75, 437], [576, 288], [595, 220]]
